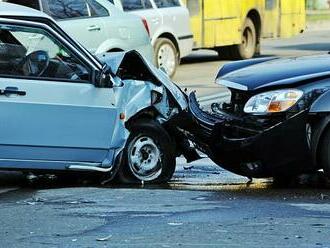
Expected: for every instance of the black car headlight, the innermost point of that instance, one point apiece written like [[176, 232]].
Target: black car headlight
[[273, 101]]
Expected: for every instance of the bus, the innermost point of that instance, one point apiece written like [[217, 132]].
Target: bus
[[234, 28]]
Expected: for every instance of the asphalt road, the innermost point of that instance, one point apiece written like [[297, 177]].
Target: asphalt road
[[203, 206]]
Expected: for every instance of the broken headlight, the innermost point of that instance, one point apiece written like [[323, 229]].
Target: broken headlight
[[273, 101]]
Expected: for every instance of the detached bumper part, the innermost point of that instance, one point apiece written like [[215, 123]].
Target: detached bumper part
[[253, 152]]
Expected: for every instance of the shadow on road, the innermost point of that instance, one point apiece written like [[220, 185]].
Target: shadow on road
[[66, 180], [308, 47], [205, 58]]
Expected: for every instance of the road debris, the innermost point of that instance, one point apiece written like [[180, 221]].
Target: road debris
[[324, 196], [175, 223], [188, 167], [104, 238]]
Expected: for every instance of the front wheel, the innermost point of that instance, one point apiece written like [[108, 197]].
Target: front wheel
[[149, 154], [167, 56]]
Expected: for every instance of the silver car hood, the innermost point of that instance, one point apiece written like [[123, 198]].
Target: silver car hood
[[131, 65]]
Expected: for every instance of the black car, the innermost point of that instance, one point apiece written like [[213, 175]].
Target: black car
[[276, 123]]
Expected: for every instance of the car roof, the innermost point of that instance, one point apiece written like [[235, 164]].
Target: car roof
[[10, 10]]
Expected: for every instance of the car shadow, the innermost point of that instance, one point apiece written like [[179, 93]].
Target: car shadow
[[307, 47], [205, 58], [69, 180]]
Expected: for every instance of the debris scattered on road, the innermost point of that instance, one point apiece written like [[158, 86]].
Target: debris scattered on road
[[105, 238], [175, 223], [188, 167], [324, 196]]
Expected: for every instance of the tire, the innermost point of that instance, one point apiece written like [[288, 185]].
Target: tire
[[166, 56], [324, 153], [225, 52], [248, 48], [148, 142]]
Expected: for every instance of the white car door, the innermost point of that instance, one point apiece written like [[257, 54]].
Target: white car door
[[145, 9], [50, 111], [176, 18]]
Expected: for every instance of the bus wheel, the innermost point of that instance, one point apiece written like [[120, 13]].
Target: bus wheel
[[248, 48]]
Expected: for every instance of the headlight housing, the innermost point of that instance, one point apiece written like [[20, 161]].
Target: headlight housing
[[273, 101]]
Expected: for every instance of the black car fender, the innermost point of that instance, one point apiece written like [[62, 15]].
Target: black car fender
[[320, 108], [321, 104]]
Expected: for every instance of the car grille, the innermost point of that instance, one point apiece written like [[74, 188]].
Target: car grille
[[236, 104]]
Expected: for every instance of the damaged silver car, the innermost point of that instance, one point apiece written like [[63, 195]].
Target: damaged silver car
[[63, 109]]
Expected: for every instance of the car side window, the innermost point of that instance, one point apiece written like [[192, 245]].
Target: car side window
[[129, 5], [34, 4], [65, 9], [30, 52], [167, 3], [96, 9]]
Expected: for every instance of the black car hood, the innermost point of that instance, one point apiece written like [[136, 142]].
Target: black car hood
[[257, 74]]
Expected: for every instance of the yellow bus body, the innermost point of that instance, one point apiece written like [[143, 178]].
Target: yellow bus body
[[218, 23]]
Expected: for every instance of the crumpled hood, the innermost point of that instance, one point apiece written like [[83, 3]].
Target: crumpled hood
[[271, 72], [134, 64]]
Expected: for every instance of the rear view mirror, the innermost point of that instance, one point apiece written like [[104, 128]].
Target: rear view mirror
[[105, 79]]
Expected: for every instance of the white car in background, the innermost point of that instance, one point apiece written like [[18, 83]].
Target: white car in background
[[97, 25], [169, 28]]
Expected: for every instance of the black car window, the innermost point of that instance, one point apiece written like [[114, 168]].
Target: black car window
[[65, 9], [167, 3], [97, 10], [129, 5], [29, 52], [28, 3]]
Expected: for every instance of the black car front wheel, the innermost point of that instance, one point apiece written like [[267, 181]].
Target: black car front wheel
[[149, 154]]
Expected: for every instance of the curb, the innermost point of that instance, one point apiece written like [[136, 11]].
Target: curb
[[318, 26]]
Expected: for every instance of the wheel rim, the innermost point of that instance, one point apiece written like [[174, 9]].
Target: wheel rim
[[166, 58], [248, 41], [144, 158]]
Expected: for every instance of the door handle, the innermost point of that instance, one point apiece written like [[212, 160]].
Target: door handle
[[12, 91], [93, 28]]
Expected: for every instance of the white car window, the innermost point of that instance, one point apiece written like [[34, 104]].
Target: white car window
[[129, 5], [28, 3], [96, 9], [32, 52], [167, 3], [65, 9]]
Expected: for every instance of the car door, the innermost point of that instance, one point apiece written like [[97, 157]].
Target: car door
[[82, 19], [144, 9], [50, 110], [174, 16]]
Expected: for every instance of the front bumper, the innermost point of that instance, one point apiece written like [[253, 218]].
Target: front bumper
[[248, 150]]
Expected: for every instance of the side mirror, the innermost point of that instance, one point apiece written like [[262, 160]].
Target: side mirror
[[104, 80]]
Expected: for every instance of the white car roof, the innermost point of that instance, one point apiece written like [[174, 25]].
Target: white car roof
[[9, 9]]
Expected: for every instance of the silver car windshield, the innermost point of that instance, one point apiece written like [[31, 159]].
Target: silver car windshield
[[29, 51]]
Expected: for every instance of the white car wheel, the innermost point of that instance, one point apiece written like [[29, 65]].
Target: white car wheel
[[166, 56]]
